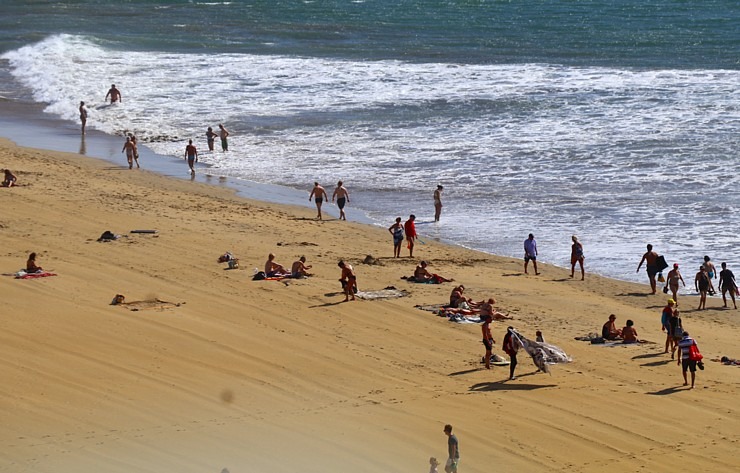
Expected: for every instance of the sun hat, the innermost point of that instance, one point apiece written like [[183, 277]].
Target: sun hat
[[671, 301]]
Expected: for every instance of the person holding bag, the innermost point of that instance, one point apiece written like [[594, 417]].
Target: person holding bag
[[689, 358]]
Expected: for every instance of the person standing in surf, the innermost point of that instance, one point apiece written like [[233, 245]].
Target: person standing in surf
[[114, 94], [319, 195], [342, 197], [191, 154], [438, 202], [136, 150], [650, 258], [224, 134], [211, 138], [83, 116]]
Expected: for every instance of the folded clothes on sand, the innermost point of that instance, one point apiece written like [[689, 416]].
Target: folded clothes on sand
[[40, 274]]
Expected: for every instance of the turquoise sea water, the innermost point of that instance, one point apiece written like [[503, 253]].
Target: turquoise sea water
[[617, 121]]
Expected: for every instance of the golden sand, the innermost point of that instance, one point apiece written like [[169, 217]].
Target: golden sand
[[280, 376]]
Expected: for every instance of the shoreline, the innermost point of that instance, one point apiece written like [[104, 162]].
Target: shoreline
[[38, 130]]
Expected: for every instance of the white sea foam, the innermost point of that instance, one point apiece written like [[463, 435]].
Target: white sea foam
[[620, 157]]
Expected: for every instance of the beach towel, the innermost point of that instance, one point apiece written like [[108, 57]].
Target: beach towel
[[149, 304], [464, 319], [387, 293], [543, 354], [41, 274]]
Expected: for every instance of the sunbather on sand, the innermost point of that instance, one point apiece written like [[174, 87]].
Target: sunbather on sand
[[300, 269], [487, 310], [458, 300], [31, 266], [422, 275], [9, 178], [629, 334], [610, 331], [273, 269]]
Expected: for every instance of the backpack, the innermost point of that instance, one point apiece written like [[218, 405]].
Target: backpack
[[259, 276]]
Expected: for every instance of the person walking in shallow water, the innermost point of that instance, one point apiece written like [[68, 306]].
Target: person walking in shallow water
[[576, 256], [191, 154], [128, 147], [211, 138], [114, 94]]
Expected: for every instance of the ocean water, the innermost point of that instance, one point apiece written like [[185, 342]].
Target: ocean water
[[617, 121]]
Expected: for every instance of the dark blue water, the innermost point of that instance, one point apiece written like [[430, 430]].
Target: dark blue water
[[621, 33]]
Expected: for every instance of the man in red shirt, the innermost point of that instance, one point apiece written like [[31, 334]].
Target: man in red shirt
[[410, 230]]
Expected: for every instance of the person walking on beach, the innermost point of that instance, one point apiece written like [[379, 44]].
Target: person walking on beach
[[224, 134], [83, 116], [319, 195], [727, 284], [438, 202], [530, 253], [511, 348], [191, 154], [665, 322], [136, 150], [676, 327], [349, 280], [651, 259], [409, 227], [128, 147], [397, 231], [453, 450], [672, 279], [211, 138], [576, 256], [342, 197], [685, 358], [114, 94], [488, 340], [701, 284]]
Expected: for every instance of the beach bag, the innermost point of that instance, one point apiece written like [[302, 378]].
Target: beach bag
[[259, 276], [665, 289], [661, 278], [694, 354]]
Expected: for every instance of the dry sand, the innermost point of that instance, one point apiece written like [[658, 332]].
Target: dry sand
[[283, 377]]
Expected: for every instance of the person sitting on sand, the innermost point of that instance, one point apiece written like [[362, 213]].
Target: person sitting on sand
[[629, 334], [487, 310], [422, 275], [31, 266], [273, 269], [300, 269], [10, 179], [610, 331], [726, 360]]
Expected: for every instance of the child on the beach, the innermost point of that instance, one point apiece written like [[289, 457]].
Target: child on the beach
[[433, 465]]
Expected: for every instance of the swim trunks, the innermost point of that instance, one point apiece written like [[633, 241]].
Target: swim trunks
[[319, 200], [652, 270], [340, 202], [527, 258], [488, 344]]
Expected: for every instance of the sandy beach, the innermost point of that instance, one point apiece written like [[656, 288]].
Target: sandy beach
[[281, 376]]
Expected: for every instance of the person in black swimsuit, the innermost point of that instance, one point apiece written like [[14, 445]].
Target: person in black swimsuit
[[701, 282]]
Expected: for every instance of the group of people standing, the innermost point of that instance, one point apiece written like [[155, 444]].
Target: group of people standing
[[703, 280]]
